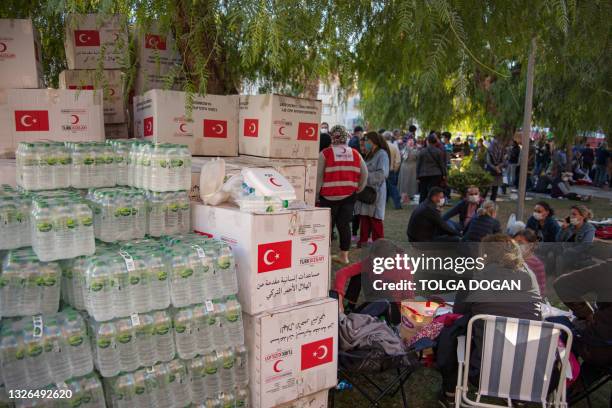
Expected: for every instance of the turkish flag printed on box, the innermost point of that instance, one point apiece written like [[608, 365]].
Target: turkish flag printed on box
[[215, 128], [31, 120], [273, 256], [148, 126], [86, 38], [308, 131], [155, 42], [316, 353], [251, 127]]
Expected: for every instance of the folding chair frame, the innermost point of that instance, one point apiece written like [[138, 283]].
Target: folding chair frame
[[463, 358], [382, 390]]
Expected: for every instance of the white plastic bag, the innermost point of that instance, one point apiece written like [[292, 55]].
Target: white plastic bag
[[212, 175]]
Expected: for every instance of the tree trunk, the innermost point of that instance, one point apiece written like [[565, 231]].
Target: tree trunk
[[524, 161], [190, 18]]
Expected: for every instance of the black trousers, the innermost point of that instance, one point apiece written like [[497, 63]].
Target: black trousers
[[341, 216], [426, 183]]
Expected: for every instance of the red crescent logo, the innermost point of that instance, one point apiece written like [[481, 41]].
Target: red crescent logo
[[314, 248], [276, 367], [273, 182], [2, 47], [111, 91], [280, 131], [181, 128], [116, 36], [74, 120]]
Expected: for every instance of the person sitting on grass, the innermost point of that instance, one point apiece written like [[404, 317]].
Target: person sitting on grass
[[466, 209], [426, 223], [483, 224], [543, 222]]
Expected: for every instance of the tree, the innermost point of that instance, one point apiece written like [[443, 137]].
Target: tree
[[288, 44], [442, 60]]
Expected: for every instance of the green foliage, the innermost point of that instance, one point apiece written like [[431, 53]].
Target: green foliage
[[469, 173]]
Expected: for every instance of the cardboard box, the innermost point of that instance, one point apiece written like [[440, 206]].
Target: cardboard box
[[29, 115], [317, 400], [293, 351], [19, 55], [157, 58], [8, 172], [116, 131], [89, 37], [281, 258], [108, 81], [279, 126], [302, 174], [209, 130]]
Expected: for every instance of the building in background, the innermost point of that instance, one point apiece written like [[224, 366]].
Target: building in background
[[339, 108]]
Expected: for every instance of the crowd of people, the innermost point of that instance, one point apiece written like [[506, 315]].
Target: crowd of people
[[358, 173]]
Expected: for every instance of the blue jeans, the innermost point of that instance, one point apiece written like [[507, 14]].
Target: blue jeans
[[392, 189]]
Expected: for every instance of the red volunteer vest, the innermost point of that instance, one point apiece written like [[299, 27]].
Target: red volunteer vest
[[342, 171]]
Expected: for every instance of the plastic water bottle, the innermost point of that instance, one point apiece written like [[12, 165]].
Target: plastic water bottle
[[155, 214], [55, 349], [158, 272], [242, 397], [184, 333], [121, 291], [234, 330], [101, 295], [64, 226], [197, 375], [106, 356], [241, 366], [181, 277], [213, 383], [139, 285], [79, 349], [142, 399], [85, 242], [27, 166], [145, 342], [164, 337], [203, 336], [215, 283], [227, 268], [227, 359], [121, 162], [178, 383], [92, 392], [126, 344], [197, 287], [216, 322], [61, 174], [43, 240], [145, 167]]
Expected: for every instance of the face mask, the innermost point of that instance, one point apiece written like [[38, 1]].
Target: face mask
[[368, 146], [538, 216], [324, 130], [441, 202], [474, 199], [574, 221]]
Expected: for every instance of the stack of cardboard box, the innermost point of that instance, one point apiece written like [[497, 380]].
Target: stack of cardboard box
[[282, 259], [96, 50], [29, 113]]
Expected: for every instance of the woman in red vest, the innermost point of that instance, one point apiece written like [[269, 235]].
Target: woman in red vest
[[341, 174]]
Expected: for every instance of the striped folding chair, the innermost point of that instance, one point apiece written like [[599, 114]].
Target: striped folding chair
[[517, 362]]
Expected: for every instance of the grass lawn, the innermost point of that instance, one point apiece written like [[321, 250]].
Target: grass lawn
[[424, 385]]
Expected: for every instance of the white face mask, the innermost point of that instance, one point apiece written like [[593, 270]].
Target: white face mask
[[574, 221], [474, 198], [538, 216], [441, 202]]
